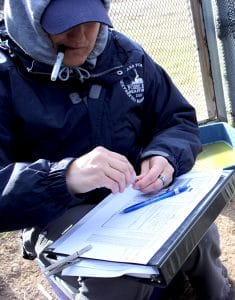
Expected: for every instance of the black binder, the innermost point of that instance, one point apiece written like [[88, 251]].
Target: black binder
[[170, 258]]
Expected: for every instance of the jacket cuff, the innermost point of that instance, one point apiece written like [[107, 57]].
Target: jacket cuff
[[57, 181], [153, 153]]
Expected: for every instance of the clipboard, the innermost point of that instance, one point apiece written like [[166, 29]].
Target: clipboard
[[167, 261]]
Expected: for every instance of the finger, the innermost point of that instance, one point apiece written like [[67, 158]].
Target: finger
[[148, 178], [166, 175], [144, 170], [153, 187], [117, 177], [122, 168], [159, 175], [145, 166], [156, 185], [163, 179], [111, 184], [110, 161]]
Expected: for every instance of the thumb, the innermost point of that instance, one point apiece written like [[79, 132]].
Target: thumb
[[144, 169]]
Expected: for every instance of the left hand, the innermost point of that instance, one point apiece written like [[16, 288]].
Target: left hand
[[156, 173]]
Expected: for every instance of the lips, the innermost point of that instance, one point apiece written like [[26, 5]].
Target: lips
[[67, 47]]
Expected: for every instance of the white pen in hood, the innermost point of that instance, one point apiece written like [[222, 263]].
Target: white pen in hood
[[58, 62]]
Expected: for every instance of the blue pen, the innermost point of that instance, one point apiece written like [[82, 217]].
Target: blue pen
[[163, 196]]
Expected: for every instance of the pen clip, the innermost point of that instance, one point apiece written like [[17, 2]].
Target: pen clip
[[58, 266]]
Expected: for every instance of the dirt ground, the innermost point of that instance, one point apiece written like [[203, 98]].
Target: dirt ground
[[21, 279]]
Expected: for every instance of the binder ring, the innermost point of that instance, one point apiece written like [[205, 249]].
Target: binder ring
[[163, 179]]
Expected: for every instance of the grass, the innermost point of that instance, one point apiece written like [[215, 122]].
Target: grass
[[3, 235]]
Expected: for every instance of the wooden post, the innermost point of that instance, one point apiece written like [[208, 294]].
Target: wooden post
[[204, 57]]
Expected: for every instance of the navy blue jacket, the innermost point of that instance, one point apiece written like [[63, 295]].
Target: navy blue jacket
[[127, 104]]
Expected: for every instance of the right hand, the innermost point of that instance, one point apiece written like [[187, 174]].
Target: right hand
[[100, 168]]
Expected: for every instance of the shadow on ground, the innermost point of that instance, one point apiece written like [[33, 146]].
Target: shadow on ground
[[5, 291]]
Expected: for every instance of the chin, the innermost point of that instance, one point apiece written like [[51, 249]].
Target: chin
[[74, 62]]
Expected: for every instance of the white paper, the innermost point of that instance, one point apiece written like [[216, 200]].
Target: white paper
[[136, 236], [94, 268]]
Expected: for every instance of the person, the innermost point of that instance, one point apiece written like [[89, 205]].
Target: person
[[109, 117]]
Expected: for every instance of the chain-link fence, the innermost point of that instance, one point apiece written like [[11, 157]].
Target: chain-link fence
[[166, 30], [1, 9]]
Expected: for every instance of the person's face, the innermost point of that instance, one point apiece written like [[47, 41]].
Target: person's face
[[79, 41]]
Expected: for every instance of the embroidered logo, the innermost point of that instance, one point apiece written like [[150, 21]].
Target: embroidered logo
[[134, 88]]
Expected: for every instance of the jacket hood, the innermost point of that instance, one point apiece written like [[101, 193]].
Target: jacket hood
[[22, 20]]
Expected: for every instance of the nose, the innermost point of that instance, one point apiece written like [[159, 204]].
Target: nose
[[76, 33]]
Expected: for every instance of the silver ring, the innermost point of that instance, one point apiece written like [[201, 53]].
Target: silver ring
[[163, 179]]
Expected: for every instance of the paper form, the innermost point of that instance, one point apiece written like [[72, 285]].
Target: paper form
[[97, 268], [136, 236]]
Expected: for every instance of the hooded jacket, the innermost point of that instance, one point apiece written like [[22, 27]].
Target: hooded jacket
[[120, 99]]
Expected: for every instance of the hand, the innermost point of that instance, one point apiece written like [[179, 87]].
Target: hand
[[100, 168], [156, 173]]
